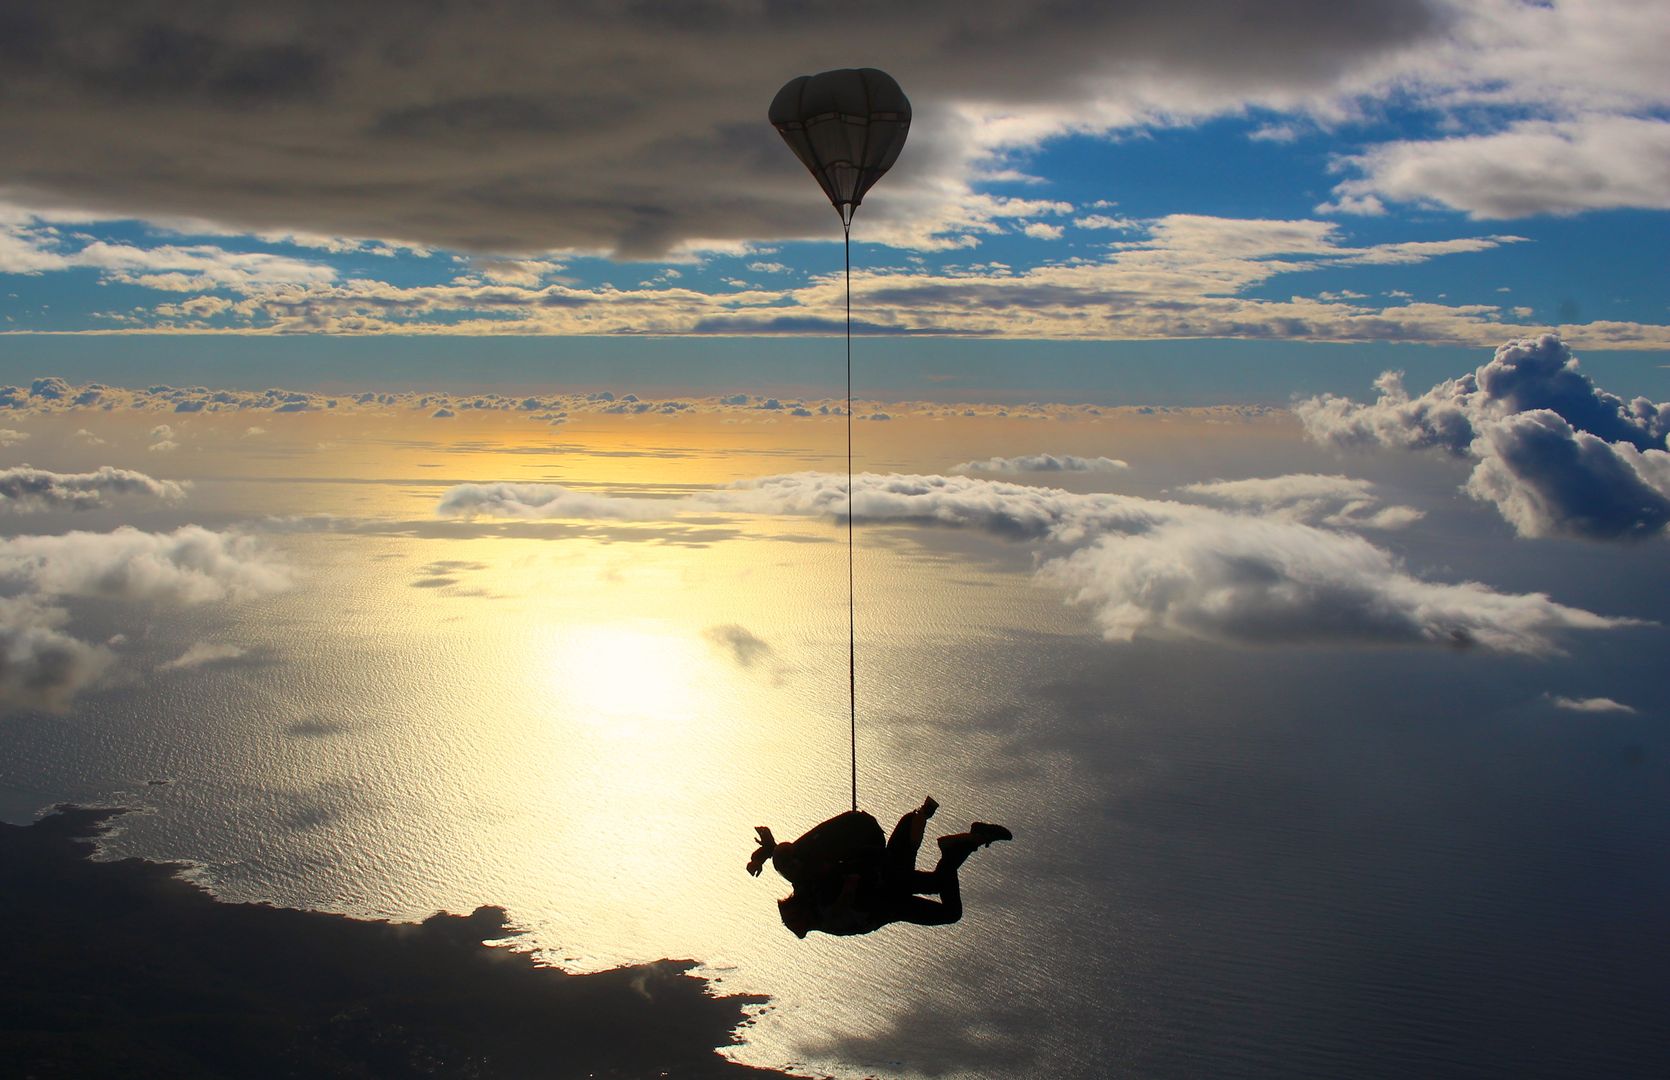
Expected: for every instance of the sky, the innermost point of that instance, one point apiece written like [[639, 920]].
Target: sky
[[421, 445], [1078, 183]]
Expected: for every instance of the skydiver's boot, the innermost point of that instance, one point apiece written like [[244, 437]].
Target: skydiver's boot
[[987, 834]]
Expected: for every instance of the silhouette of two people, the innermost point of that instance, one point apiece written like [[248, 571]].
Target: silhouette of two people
[[849, 878]]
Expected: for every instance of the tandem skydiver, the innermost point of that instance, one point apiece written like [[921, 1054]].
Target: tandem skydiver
[[850, 879]]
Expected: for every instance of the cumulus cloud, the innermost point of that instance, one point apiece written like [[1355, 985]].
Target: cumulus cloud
[[1144, 567], [1550, 479], [162, 439], [199, 654], [26, 488], [1589, 704], [191, 565], [1553, 452], [11, 436], [1041, 463], [1328, 500], [42, 664], [1253, 582]]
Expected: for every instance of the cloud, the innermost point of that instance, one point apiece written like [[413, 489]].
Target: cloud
[[190, 565], [584, 129], [1589, 705], [42, 665], [537, 501], [1041, 463], [1553, 452], [740, 643], [11, 437], [1534, 167], [1253, 582], [25, 488], [162, 438], [1182, 275], [1550, 479], [1144, 567], [1327, 500], [199, 654]]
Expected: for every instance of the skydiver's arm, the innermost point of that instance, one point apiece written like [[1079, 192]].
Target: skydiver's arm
[[768, 845]]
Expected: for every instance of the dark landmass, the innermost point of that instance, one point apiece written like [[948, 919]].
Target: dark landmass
[[123, 969]]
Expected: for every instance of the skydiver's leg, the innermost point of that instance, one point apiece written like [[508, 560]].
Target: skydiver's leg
[[899, 860], [947, 909]]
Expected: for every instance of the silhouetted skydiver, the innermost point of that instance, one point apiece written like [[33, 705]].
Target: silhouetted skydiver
[[848, 880]]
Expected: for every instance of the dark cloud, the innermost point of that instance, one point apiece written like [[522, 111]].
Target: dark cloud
[[521, 126], [1556, 454]]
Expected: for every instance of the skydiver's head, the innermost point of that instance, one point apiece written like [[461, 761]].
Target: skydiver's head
[[798, 914], [786, 858]]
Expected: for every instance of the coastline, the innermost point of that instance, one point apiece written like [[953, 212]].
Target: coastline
[[126, 968]]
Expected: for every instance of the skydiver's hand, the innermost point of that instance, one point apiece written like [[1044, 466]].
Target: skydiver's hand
[[763, 835]]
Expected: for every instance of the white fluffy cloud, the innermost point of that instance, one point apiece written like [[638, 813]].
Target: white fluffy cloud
[[191, 565], [42, 664], [1246, 581], [27, 488], [1533, 167], [1556, 454], [1028, 463], [1327, 500], [1144, 567]]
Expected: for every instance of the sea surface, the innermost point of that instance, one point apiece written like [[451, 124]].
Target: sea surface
[[1320, 862]]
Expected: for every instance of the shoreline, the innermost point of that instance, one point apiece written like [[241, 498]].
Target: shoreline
[[127, 968]]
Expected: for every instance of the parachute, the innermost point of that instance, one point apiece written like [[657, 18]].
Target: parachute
[[846, 126]]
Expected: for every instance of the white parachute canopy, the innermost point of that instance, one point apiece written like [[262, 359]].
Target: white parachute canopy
[[847, 126]]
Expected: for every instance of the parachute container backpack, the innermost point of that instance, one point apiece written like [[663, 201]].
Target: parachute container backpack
[[847, 127]]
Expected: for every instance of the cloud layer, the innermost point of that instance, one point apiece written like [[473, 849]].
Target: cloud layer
[[1147, 567], [1554, 453], [519, 126]]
